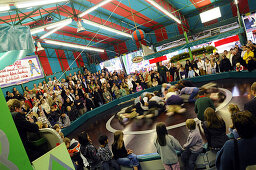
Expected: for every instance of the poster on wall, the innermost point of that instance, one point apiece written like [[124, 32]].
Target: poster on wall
[[21, 71], [250, 26]]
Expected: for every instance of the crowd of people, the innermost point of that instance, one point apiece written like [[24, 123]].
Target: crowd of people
[[55, 104]]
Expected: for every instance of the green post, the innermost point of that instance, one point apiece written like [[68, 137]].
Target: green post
[[242, 36], [12, 152], [189, 50]]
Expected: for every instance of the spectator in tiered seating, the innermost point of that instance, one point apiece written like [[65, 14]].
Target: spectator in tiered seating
[[89, 151], [124, 156], [214, 129], [166, 146], [193, 147], [64, 120], [106, 155], [251, 105], [241, 153], [201, 104], [24, 126]]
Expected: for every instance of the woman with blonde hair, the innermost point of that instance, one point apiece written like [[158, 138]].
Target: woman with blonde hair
[[124, 156], [167, 146], [214, 129], [233, 108]]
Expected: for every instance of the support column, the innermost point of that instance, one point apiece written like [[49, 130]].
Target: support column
[[189, 50], [122, 63], [242, 36]]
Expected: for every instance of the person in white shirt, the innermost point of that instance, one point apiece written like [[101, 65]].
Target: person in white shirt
[[201, 66], [208, 66], [102, 80]]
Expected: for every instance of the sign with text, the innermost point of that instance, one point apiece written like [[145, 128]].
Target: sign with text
[[21, 71]]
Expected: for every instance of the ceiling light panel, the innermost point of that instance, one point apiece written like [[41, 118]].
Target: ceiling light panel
[[210, 15]]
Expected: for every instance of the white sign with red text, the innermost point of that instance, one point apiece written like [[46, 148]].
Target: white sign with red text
[[21, 71]]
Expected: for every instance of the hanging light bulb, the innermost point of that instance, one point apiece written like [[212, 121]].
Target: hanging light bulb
[[80, 28], [39, 47]]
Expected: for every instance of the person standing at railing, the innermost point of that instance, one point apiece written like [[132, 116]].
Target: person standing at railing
[[201, 66]]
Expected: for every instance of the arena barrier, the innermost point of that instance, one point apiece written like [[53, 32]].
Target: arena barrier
[[206, 78]]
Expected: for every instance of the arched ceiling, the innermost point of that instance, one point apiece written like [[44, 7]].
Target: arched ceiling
[[122, 15]]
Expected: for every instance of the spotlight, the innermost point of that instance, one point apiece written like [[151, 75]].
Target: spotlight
[[80, 28]]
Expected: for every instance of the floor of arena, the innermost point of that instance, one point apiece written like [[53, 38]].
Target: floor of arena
[[140, 134]]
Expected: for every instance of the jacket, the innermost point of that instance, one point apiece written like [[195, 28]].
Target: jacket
[[201, 104], [194, 142], [168, 152], [246, 150], [216, 137], [251, 106]]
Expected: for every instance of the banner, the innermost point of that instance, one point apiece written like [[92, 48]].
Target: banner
[[21, 71]]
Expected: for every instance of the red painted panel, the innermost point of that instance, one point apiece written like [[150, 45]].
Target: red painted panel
[[161, 34], [226, 40], [79, 60], [61, 54], [104, 56], [121, 48], [243, 7], [158, 59], [200, 3], [44, 62]]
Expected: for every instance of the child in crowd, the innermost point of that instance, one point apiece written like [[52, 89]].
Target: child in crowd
[[239, 67], [191, 73], [64, 120], [124, 156], [196, 71], [193, 147], [138, 87], [233, 108], [166, 146], [73, 148], [106, 155], [155, 82]]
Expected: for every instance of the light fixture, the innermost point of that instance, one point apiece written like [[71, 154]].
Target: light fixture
[[52, 31], [106, 28], [236, 2], [159, 7], [94, 8], [73, 45], [36, 30], [210, 15], [33, 3], [39, 46], [52, 25], [80, 28], [60, 23], [4, 7]]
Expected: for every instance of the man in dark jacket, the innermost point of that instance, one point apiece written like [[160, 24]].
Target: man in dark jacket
[[236, 58], [23, 127], [251, 105], [225, 64], [162, 72]]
